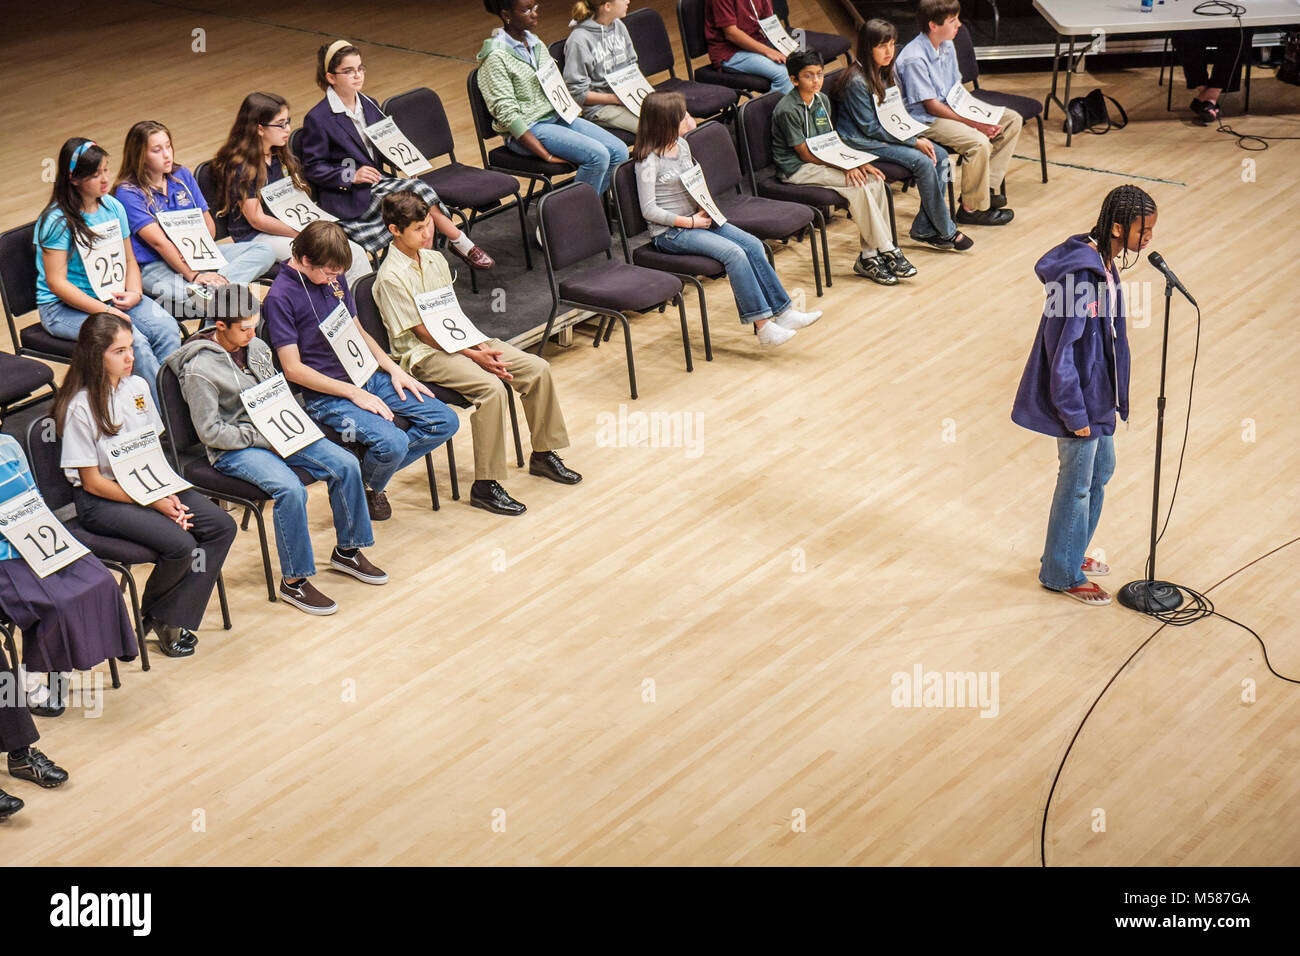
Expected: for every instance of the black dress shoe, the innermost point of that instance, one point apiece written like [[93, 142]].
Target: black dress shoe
[[169, 639], [187, 638], [37, 768], [9, 804], [54, 703], [547, 464], [985, 217], [996, 200], [490, 496]]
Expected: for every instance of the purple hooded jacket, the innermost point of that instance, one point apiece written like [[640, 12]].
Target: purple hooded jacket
[[1078, 368]]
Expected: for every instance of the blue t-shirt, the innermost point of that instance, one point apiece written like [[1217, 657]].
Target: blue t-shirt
[[925, 73], [236, 224], [52, 232], [15, 479], [294, 309], [182, 193]]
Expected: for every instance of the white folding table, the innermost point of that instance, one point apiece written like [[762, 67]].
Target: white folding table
[[1084, 18]]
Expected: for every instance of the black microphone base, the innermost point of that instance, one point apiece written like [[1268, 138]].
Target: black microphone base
[[1150, 597]]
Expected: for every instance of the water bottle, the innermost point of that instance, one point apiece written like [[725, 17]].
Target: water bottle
[[1147, 6]]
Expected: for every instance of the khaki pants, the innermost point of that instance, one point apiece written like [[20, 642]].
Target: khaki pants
[[984, 161], [614, 116], [868, 204], [532, 380]]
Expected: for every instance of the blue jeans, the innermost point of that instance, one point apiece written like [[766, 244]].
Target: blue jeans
[[245, 261], [596, 151], [747, 62], [388, 448], [758, 292], [1086, 464], [933, 218], [323, 460], [155, 334]]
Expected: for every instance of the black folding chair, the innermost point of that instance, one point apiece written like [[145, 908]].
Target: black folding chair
[[502, 158], [482, 192], [18, 293], [690, 21], [831, 46], [654, 53], [776, 219], [372, 321], [574, 228], [685, 266], [117, 554], [1026, 106]]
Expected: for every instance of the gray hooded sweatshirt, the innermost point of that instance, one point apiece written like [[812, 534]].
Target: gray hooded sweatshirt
[[211, 383], [591, 52]]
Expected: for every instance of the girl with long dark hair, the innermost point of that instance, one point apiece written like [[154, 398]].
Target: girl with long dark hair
[[1077, 378]]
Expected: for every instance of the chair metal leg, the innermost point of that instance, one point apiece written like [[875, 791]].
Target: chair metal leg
[[550, 324], [112, 673], [686, 335], [627, 344], [129, 582], [243, 524], [433, 483], [451, 467], [704, 314], [952, 200], [609, 330], [225, 605], [1042, 148], [266, 551], [826, 252], [817, 271], [514, 423], [523, 232], [893, 223]]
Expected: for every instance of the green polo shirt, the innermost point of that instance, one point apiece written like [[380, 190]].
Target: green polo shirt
[[793, 123]]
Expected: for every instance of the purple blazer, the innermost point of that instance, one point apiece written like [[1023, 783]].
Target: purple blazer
[[333, 151]]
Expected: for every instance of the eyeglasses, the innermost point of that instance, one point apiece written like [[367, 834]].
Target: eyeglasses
[[350, 71], [284, 125]]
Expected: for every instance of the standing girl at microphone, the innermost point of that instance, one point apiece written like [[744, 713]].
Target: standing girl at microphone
[[1076, 379]]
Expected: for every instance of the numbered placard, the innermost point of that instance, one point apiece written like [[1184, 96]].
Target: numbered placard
[[829, 148], [105, 259], [895, 118], [968, 107], [340, 329], [442, 316], [776, 35], [630, 86], [141, 468], [693, 180], [37, 535], [291, 205], [187, 229], [562, 101], [393, 143], [278, 417]]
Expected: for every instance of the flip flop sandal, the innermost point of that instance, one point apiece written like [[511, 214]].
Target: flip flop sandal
[[1094, 567], [1089, 594]]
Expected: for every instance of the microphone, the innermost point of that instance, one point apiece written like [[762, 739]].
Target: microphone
[[1157, 260]]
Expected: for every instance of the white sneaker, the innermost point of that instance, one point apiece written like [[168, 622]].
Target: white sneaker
[[790, 319], [773, 334]]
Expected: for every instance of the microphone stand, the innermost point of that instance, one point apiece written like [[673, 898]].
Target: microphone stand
[[1151, 596]]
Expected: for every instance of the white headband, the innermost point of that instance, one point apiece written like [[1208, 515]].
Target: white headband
[[334, 48]]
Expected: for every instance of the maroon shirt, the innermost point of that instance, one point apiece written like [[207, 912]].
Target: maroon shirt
[[719, 14]]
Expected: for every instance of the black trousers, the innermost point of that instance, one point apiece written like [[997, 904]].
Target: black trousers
[[16, 727], [181, 584], [1219, 68]]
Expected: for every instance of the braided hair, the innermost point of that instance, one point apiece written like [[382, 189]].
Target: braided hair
[[1122, 206]]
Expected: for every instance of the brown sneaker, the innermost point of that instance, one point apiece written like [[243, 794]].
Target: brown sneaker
[[377, 504], [357, 566], [306, 598]]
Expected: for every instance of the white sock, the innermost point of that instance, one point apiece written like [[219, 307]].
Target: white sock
[[463, 242], [868, 253]]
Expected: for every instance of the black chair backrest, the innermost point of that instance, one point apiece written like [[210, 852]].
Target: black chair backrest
[[44, 448], [182, 438], [654, 51], [368, 315], [626, 201], [755, 130], [18, 274], [421, 116], [295, 143], [690, 20], [966, 62], [712, 148], [556, 50], [573, 224], [207, 184], [482, 117]]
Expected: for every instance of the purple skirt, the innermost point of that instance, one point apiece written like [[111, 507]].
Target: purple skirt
[[71, 620]]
